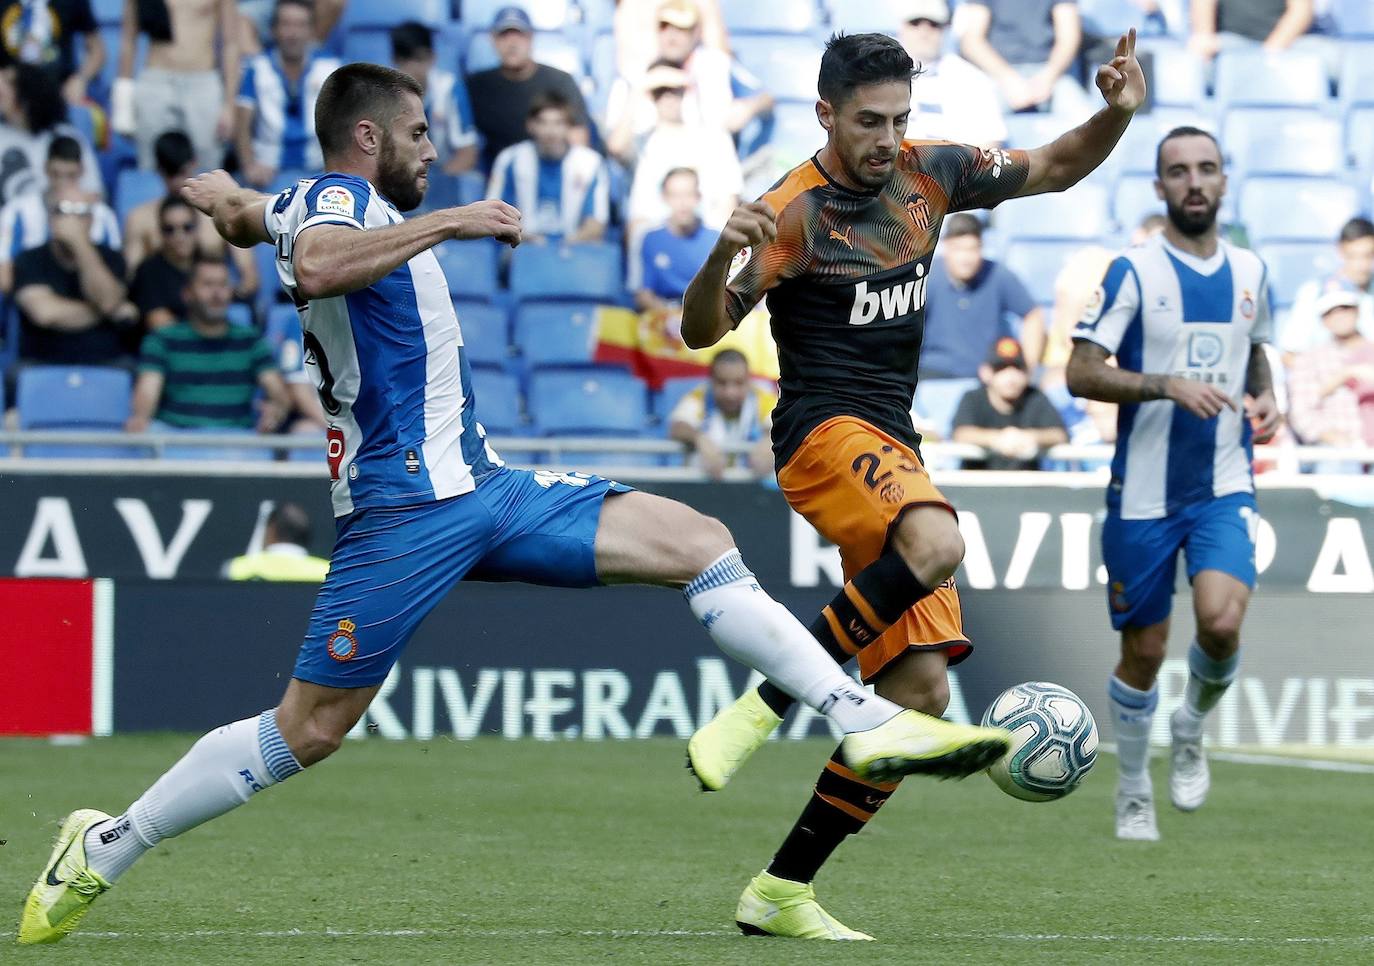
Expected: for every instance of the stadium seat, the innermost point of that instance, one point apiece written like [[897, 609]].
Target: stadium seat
[[550, 48], [556, 333], [241, 315], [587, 399], [389, 13], [567, 272], [1177, 79], [1354, 17], [76, 398], [485, 338], [1037, 264], [1080, 212], [134, 187], [469, 267], [1134, 199], [498, 400], [1296, 209], [602, 62], [1356, 83], [367, 45], [671, 394], [1261, 141], [785, 64], [796, 132], [1359, 138], [776, 16], [1254, 78], [1032, 130], [866, 16], [246, 453], [283, 322], [544, 14], [1292, 264], [108, 12]]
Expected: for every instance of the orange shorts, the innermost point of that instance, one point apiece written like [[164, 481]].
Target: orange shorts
[[852, 482]]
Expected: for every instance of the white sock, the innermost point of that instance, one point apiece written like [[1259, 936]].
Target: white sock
[[1133, 712], [220, 772], [1208, 679], [755, 629]]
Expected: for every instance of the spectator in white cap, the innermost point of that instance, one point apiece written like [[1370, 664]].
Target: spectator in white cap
[[1331, 387], [1355, 273], [951, 100]]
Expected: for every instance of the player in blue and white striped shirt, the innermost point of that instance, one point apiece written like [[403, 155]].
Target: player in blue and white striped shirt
[[422, 501], [1187, 317], [277, 95]]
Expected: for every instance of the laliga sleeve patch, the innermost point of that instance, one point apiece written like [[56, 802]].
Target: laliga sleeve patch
[[737, 264], [335, 200]]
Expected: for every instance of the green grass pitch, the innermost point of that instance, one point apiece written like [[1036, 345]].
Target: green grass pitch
[[492, 852]]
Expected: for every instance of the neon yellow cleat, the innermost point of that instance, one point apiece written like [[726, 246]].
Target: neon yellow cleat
[[780, 907], [725, 743], [67, 886], [912, 743]]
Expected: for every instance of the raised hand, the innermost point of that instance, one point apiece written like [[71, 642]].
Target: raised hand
[[204, 191], [489, 219], [749, 225], [1122, 82]]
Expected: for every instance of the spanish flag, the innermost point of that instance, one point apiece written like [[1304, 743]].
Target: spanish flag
[[650, 343]]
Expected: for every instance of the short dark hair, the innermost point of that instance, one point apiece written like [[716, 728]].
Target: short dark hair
[[64, 148], [291, 523], [549, 101], [170, 202], [1356, 228], [674, 172], [307, 5], [205, 258], [354, 92], [410, 40], [963, 225], [725, 356], [39, 98], [173, 152], [852, 61], [1183, 131]]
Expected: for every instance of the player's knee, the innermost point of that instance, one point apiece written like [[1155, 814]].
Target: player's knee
[[1219, 627], [315, 737], [706, 542], [933, 552]]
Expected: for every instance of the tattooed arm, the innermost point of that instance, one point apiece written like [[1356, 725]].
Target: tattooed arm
[[1089, 376]]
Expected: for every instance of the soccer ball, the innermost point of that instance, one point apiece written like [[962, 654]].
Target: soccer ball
[[1053, 741]]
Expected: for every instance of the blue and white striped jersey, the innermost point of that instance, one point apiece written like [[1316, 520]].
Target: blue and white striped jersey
[[388, 361], [283, 114], [24, 225], [450, 113], [1161, 310]]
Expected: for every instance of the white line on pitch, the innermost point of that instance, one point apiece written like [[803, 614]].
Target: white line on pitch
[[1278, 761]]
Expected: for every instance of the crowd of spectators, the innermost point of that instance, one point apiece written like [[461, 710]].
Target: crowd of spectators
[[633, 126]]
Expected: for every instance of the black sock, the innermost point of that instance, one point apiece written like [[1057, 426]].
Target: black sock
[[858, 615], [840, 805]]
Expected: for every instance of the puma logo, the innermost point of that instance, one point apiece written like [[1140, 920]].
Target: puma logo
[[847, 237]]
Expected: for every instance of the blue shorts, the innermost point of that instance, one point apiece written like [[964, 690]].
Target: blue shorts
[[1142, 555], [391, 566]]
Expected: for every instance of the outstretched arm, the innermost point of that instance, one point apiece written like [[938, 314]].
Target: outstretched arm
[[705, 320], [239, 213], [1074, 155]]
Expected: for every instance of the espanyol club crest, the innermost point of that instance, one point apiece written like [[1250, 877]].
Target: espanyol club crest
[[919, 210]]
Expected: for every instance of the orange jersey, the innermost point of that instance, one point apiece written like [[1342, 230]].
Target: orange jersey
[[846, 280]]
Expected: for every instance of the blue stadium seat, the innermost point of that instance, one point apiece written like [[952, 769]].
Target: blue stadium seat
[[134, 187], [108, 12], [1254, 78], [776, 16], [1296, 209], [1356, 83], [544, 14], [587, 399], [498, 400], [241, 315], [1032, 130], [283, 322], [469, 267], [567, 272], [671, 394], [602, 62], [246, 453], [550, 48], [485, 337], [785, 64], [1359, 138], [598, 14], [1080, 212], [1178, 78], [1262, 141], [1134, 199], [1354, 17], [796, 132], [1294, 263], [78, 398], [865, 16], [1037, 264], [556, 333], [389, 13], [367, 45]]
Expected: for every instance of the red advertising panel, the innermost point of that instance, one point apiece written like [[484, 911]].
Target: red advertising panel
[[45, 650]]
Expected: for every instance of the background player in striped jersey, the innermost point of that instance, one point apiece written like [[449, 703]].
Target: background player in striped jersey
[[1186, 314], [422, 501], [841, 248]]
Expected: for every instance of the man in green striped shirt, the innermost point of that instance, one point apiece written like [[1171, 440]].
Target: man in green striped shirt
[[203, 373]]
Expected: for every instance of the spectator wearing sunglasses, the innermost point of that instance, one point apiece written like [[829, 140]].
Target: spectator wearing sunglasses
[[159, 282]]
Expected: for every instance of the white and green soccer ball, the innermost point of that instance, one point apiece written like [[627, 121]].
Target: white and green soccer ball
[[1053, 741]]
